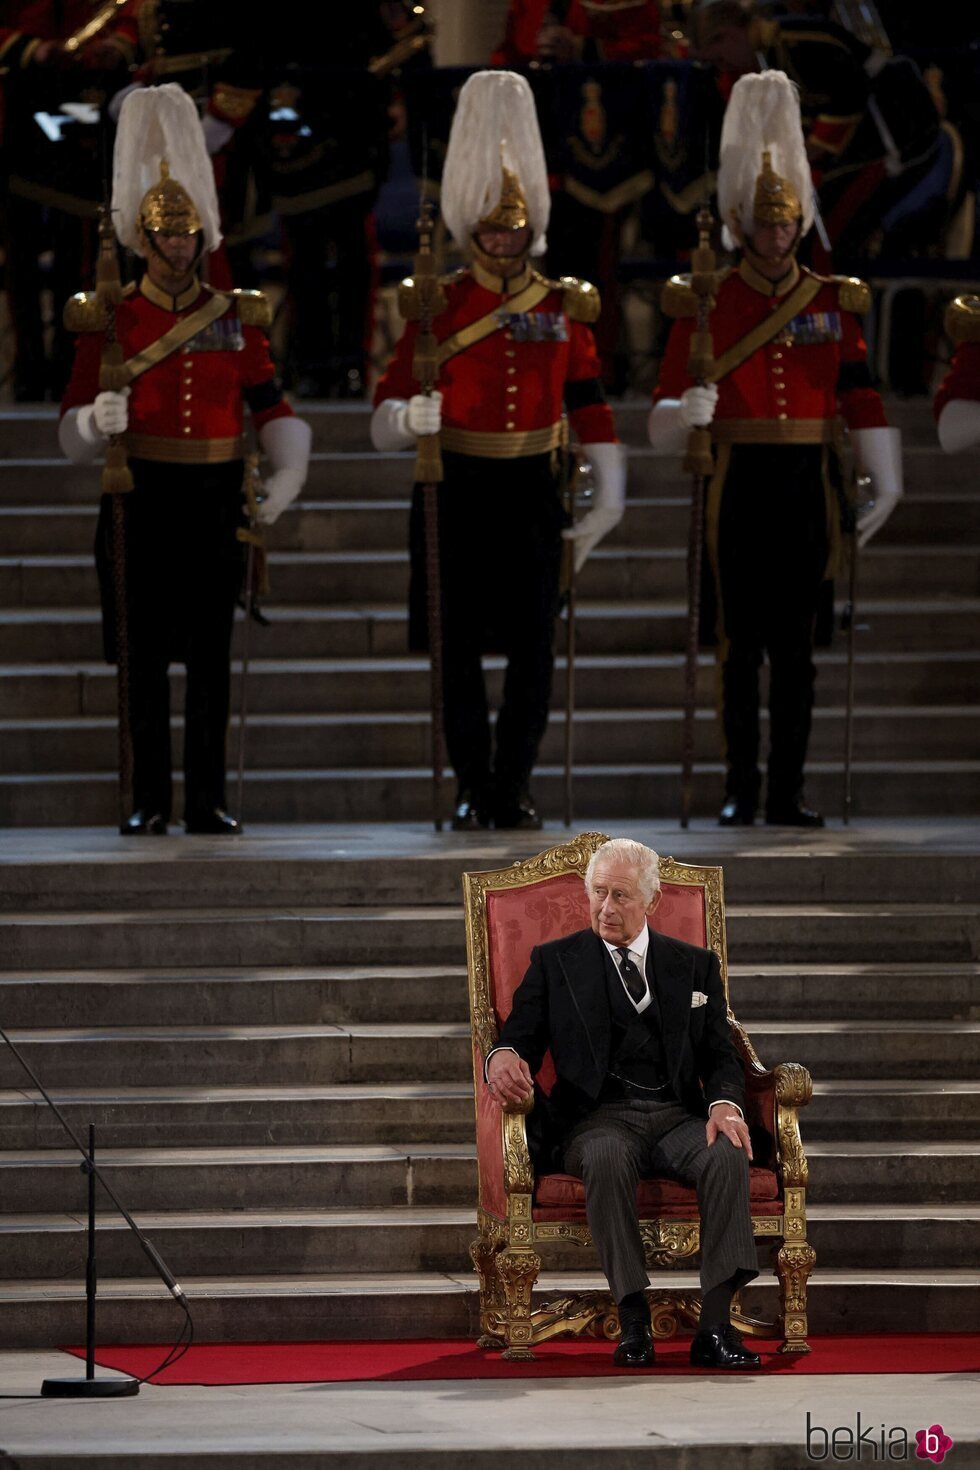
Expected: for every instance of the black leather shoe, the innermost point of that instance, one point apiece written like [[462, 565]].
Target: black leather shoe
[[736, 813], [212, 823], [792, 814], [518, 816], [144, 824], [470, 814], [635, 1347], [721, 1347]]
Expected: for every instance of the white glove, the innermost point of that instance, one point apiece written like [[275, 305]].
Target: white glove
[[697, 406], [423, 414], [216, 132], [879, 454], [278, 491], [959, 425], [287, 443], [395, 424], [609, 469], [110, 413]]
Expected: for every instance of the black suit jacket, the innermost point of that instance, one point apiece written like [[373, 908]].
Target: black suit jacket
[[562, 1005]]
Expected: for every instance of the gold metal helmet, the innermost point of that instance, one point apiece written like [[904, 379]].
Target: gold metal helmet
[[167, 208], [776, 202], [511, 212]]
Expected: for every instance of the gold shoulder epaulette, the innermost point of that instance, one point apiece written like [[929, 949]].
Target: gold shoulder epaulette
[[678, 297], [581, 301], [853, 294], [451, 277], [254, 308], [963, 319], [84, 313]]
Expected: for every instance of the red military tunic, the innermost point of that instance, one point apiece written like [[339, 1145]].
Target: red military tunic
[[963, 329], [789, 389], [189, 408], [503, 396]]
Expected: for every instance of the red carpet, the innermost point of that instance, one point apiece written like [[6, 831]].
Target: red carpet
[[394, 1362]]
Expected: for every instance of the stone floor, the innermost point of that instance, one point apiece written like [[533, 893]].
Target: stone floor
[[681, 1423]]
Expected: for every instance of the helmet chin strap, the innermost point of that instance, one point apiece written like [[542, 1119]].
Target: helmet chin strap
[[504, 266], [150, 237], [755, 259]]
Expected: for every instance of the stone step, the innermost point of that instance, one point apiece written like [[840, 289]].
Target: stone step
[[401, 865], [315, 523], [917, 788], [381, 629], [763, 933], [153, 1055], [888, 569], [388, 685], [45, 479], [849, 1109], [381, 1178], [333, 995], [426, 1112], [43, 1313], [947, 732], [344, 1241]]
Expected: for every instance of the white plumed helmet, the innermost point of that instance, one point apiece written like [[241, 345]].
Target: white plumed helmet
[[162, 177], [495, 170], [763, 171]]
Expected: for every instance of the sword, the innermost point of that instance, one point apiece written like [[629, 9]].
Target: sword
[[253, 539], [569, 470], [862, 486]]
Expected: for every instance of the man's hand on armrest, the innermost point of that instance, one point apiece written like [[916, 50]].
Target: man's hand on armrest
[[509, 1078]]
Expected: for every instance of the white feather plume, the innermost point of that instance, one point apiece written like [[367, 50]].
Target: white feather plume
[[157, 123], [495, 122], [763, 112]]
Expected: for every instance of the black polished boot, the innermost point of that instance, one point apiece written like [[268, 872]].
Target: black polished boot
[[212, 822], [737, 812], [471, 814], [721, 1347], [518, 815], [635, 1346], [144, 824], [792, 814]]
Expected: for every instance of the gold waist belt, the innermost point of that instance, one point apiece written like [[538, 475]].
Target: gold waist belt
[[508, 444], [774, 431], [183, 451]]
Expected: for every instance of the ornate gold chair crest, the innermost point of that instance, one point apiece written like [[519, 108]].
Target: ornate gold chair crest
[[522, 1217]]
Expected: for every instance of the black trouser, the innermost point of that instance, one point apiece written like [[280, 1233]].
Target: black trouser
[[772, 557], [500, 542], [183, 577]]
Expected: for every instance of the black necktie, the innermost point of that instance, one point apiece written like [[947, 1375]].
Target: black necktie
[[632, 978]]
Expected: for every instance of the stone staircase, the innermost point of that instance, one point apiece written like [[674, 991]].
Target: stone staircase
[[271, 1039], [339, 724]]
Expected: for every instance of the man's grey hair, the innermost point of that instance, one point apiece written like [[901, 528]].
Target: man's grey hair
[[625, 850]]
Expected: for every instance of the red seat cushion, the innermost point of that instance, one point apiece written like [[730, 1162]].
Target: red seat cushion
[[562, 1196]]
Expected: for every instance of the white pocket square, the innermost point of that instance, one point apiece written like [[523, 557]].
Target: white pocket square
[[699, 998]]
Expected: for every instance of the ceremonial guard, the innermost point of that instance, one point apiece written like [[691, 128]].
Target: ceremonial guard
[[192, 359], [514, 347], [789, 360], [957, 403]]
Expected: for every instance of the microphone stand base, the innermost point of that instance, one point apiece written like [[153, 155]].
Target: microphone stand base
[[89, 1388]]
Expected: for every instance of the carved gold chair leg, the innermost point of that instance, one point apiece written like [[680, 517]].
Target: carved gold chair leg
[[793, 1266], [493, 1301], [518, 1270]]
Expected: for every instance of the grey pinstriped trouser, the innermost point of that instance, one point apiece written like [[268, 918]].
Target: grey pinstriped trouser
[[622, 1142]]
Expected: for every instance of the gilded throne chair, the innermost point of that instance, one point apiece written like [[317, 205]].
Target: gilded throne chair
[[525, 1219]]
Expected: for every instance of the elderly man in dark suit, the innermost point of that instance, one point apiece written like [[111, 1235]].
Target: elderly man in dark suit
[[648, 1082]]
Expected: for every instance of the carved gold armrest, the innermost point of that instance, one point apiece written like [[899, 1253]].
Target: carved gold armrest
[[518, 1171], [794, 1089]]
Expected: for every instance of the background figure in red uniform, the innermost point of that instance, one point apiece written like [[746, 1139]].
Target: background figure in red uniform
[[54, 53], [789, 356], [181, 421], [515, 347], [580, 30]]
